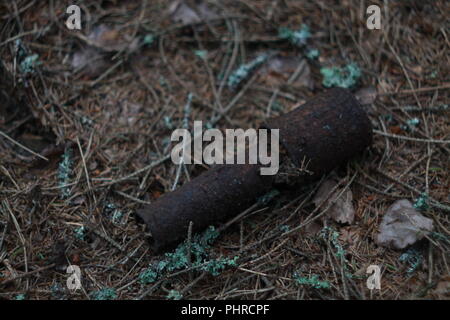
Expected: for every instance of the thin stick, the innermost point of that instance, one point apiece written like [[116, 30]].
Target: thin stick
[[22, 146], [27, 274], [391, 135], [84, 165], [19, 231], [150, 166], [425, 89]]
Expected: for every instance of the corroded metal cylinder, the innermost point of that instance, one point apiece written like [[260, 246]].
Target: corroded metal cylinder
[[324, 132], [216, 195], [321, 134]]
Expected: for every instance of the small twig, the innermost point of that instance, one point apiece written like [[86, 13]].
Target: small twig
[[19, 231], [27, 274], [84, 165], [149, 167], [391, 135], [22, 146], [432, 201], [123, 194], [189, 248]]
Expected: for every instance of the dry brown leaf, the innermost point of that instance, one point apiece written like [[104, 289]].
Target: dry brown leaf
[[350, 235], [402, 225], [443, 287], [342, 210]]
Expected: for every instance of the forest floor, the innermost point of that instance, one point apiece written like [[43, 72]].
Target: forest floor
[[86, 117]]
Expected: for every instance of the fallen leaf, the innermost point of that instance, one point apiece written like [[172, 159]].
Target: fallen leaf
[[75, 258], [194, 12], [312, 228], [402, 225], [417, 69], [279, 69], [108, 38], [443, 287], [93, 58], [349, 235], [342, 210], [89, 61], [395, 129], [366, 95]]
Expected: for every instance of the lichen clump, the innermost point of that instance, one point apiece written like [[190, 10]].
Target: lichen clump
[[312, 281], [244, 70], [104, 294], [344, 77], [64, 172], [179, 258], [296, 37]]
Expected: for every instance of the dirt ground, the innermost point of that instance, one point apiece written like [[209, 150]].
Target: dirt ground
[[86, 117]]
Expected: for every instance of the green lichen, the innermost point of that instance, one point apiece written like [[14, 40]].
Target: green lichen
[[199, 245], [421, 202], [296, 37], [168, 122], [411, 124], [202, 54], [344, 77], [29, 64], [329, 234], [58, 291], [21, 51], [312, 281], [244, 71], [104, 294], [114, 213], [266, 198], [388, 117], [149, 275], [148, 39], [413, 258], [174, 295], [64, 173], [20, 296], [117, 216], [215, 267], [440, 237], [80, 233], [312, 54], [179, 259]]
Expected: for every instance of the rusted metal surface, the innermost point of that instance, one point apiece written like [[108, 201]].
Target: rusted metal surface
[[214, 196], [323, 133]]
